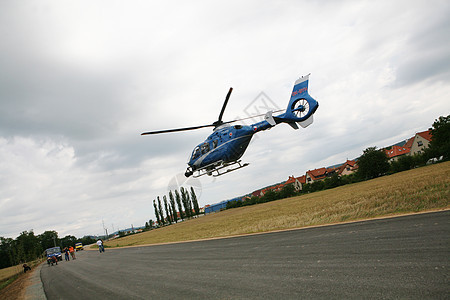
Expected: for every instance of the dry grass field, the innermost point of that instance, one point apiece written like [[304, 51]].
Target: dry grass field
[[10, 272], [417, 190]]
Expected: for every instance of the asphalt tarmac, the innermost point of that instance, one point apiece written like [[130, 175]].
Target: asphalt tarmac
[[404, 257]]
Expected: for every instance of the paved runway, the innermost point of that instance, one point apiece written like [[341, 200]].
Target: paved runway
[[404, 257]]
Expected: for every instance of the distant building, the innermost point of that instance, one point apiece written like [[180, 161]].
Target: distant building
[[210, 208], [296, 182], [347, 168], [396, 152], [420, 141], [414, 145], [316, 175]]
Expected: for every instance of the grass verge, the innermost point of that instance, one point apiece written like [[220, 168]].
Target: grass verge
[[8, 275], [417, 190]]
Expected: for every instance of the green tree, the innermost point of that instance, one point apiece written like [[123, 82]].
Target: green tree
[[174, 209], [270, 195], [405, 162], [168, 214], [287, 191], [158, 219], [68, 240], [86, 240], [306, 188], [332, 182], [49, 239], [373, 163], [7, 252], [185, 200], [317, 185], [440, 142], [179, 204], [195, 202], [161, 214], [28, 246]]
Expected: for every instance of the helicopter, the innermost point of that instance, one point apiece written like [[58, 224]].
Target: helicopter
[[220, 153]]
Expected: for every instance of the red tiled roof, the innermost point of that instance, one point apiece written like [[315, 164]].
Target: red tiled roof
[[257, 193], [425, 134], [409, 143], [350, 163], [291, 179], [302, 179], [396, 151], [317, 173]]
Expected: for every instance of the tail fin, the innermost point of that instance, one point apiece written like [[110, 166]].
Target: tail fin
[[301, 106]]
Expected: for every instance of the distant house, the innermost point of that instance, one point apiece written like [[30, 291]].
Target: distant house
[[296, 182], [420, 141], [347, 168], [316, 175], [395, 152], [274, 188], [257, 193]]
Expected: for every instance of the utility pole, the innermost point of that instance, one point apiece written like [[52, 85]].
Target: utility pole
[[105, 229]]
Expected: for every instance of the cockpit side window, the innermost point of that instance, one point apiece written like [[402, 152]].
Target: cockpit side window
[[205, 148]]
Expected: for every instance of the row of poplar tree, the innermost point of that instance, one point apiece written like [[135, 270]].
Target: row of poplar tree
[[180, 202]]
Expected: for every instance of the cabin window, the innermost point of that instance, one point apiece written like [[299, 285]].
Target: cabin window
[[205, 148], [215, 142], [196, 153], [237, 126]]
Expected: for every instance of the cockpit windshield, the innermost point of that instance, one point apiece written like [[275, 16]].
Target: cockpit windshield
[[195, 153]]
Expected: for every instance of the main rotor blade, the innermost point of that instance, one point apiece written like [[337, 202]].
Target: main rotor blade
[[176, 129], [219, 121]]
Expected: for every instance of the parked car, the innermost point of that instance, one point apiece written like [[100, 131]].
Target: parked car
[[78, 246], [53, 254], [435, 160]]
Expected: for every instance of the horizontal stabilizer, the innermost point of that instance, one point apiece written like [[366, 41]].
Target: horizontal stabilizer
[[307, 122], [269, 118]]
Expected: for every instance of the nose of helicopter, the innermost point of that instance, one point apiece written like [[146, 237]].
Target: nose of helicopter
[[188, 172]]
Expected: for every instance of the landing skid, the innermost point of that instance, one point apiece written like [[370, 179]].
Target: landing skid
[[215, 170]]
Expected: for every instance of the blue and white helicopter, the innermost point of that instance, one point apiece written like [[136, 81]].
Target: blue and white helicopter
[[220, 153]]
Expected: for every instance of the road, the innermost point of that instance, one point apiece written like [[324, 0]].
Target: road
[[403, 257]]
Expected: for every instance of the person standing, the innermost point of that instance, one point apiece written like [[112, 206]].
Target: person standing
[[66, 254], [72, 252], [101, 248]]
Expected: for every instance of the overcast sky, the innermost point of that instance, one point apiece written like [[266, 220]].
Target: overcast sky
[[80, 80]]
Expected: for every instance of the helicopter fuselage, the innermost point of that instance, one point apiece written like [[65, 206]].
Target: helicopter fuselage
[[225, 145]]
